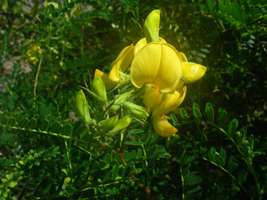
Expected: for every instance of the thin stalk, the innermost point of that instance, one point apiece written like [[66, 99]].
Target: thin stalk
[[226, 172], [36, 81], [35, 131]]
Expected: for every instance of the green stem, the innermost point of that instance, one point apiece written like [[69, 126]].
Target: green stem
[[34, 131], [182, 183], [68, 156], [226, 172], [36, 81]]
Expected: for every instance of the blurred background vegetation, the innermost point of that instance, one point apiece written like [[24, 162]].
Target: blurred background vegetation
[[50, 48]]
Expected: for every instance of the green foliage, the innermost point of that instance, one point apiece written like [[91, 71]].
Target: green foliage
[[49, 49]]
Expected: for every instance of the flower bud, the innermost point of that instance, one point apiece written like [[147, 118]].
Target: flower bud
[[136, 110], [108, 124], [151, 26], [122, 123], [108, 83], [99, 87], [120, 99], [83, 107]]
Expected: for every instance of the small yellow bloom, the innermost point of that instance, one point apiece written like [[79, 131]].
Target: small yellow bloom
[[157, 64], [163, 127], [33, 53]]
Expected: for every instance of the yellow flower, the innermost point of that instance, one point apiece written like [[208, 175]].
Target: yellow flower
[[162, 70], [33, 53]]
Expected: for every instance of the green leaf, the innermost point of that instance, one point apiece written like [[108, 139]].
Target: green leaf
[[222, 114], [212, 154], [222, 157], [183, 113], [12, 184], [209, 111], [196, 111], [191, 178], [232, 126]]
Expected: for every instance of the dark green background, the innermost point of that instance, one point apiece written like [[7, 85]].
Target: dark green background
[[221, 149]]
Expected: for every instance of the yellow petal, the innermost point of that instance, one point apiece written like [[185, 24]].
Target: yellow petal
[[143, 42], [163, 127], [158, 64], [182, 56], [121, 63], [145, 65], [99, 73], [192, 72], [152, 97], [170, 70], [170, 101], [139, 45]]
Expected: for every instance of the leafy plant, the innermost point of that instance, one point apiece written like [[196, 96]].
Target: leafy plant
[[49, 49]]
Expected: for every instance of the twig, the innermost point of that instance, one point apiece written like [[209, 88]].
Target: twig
[[37, 131], [182, 182], [36, 81], [226, 172]]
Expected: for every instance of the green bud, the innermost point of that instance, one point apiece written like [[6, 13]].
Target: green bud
[[83, 107], [109, 123], [115, 107], [136, 110], [99, 87], [151, 26], [120, 99], [122, 123]]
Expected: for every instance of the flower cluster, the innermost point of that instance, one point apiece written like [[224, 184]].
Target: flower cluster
[[158, 69]]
